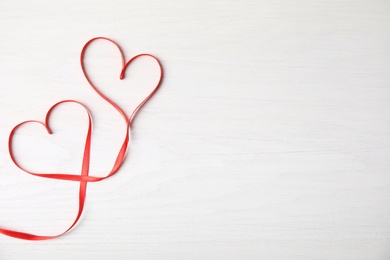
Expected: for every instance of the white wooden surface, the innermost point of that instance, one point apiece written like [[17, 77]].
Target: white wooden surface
[[269, 139]]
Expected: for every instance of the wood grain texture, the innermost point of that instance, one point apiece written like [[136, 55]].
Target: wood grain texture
[[269, 139]]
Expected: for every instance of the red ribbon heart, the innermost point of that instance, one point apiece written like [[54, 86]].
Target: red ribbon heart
[[125, 65], [84, 177], [128, 119]]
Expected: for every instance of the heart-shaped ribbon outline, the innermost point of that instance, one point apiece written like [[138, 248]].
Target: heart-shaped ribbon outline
[[46, 125], [125, 65], [83, 178], [128, 119]]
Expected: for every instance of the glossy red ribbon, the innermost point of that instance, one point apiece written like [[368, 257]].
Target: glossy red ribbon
[[84, 177]]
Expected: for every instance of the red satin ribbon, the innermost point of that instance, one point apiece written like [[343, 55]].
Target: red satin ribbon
[[84, 177]]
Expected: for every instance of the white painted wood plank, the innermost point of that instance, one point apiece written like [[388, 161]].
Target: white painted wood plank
[[269, 139]]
